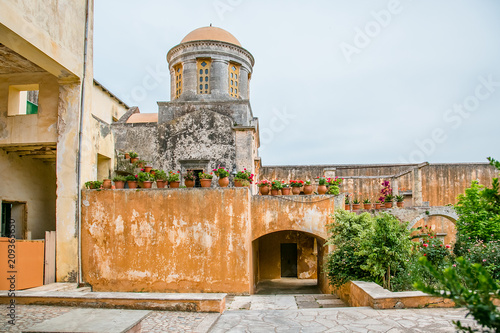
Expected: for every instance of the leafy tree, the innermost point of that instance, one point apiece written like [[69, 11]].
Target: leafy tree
[[468, 285], [387, 246], [479, 214], [343, 264]]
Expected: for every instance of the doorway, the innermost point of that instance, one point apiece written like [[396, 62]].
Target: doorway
[[289, 260], [13, 212]]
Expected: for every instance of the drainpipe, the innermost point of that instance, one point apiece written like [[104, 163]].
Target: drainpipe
[[80, 135]]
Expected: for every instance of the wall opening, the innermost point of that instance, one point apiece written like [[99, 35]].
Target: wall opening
[[14, 212], [103, 167], [288, 260], [23, 99]]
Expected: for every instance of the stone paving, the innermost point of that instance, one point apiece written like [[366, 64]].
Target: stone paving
[[283, 302], [340, 320], [158, 321]]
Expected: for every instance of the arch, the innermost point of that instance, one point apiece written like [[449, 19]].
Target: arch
[[413, 215], [320, 237]]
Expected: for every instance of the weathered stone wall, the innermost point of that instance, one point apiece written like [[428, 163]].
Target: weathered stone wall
[[141, 138], [168, 240]]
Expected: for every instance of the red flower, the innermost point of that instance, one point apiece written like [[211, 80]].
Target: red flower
[[425, 254], [425, 245], [448, 246]]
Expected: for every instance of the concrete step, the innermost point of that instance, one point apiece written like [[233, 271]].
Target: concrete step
[[198, 302], [93, 321], [57, 286]]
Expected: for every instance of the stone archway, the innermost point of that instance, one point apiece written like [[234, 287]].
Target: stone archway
[[413, 215]]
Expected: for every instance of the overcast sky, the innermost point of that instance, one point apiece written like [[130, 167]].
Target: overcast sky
[[334, 81]]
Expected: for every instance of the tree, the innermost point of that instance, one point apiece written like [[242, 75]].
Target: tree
[[386, 245]]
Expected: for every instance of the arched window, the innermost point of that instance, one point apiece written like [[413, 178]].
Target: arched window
[[203, 67], [234, 78], [178, 80]]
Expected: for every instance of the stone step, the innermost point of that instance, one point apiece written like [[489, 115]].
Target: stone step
[[199, 302], [93, 321]]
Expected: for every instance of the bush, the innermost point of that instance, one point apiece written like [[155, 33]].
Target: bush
[[488, 255]]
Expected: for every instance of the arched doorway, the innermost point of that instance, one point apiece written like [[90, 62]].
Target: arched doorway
[[288, 262]]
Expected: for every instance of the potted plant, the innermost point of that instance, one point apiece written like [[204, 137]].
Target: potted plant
[[93, 185], [119, 181], [146, 179], [367, 204], [322, 181], [140, 163], [296, 185], [205, 179], [308, 188], [377, 204], [275, 187], [106, 183], [285, 188], [134, 157], [131, 181], [388, 200], [243, 178], [355, 204], [347, 203], [264, 186], [189, 178], [161, 178], [400, 201], [174, 179], [126, 156], [148, 168], [223, 175]]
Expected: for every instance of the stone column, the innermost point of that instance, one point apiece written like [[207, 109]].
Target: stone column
[[67, 182], [190, 79], [219, 78], [417, 188], [244, 155], [243, 83]]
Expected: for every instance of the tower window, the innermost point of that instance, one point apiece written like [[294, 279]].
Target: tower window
[[234, 70], [178, 80], [203, 66]]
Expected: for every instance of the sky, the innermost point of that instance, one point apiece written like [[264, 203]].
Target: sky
[[334, 82]]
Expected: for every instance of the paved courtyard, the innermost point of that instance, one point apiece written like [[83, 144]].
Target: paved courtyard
[[265, 320]]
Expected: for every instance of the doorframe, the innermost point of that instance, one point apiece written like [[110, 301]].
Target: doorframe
[[24, 225]]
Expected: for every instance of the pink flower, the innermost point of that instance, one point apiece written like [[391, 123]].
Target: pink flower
[[448, 246], [454, 265], [425, 245], [484, 260]]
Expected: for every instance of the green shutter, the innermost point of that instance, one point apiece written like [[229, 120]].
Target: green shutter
[[31, 108]]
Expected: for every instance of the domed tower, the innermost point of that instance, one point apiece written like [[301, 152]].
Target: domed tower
[[208, 121], [209, 64]]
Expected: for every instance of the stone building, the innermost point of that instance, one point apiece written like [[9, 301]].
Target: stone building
[[209, 120]]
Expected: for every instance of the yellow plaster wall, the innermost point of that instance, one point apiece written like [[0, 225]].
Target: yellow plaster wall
[[167, 240], [34, 128], [31, 181], [106, 107]]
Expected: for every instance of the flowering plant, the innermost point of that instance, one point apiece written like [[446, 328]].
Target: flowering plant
[[386, 191], [322, 180], [276, 185], [145, 177], [264, 183], [221, 172], [335, 181], [308, 182], [284, 185], [204, 175], [432, 247], [296, 183], [173, 176], [189, 175], [133, 154], [160, 175], [244, 175], [131, 178]]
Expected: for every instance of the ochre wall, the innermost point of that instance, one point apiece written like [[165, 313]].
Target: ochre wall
[[167, 240], [270, 259]]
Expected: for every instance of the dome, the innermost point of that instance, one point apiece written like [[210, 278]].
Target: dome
[[211, 33]]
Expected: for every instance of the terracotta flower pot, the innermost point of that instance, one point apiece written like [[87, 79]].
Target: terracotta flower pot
[[189, 183], [264, 190], [322, 189], [388, 204], [296, 190], [127, 156], [223, 182], [148, 169], [367, 206], [119, 184], [400, 204], [106, 183], [238, 183], [175, 184], [274, 192], [206, 182], [132, 184], [133, 160], [308, 189], [160, 183], [355, 206], [377, 206], [285, 191], [147, 184], [347, 207]]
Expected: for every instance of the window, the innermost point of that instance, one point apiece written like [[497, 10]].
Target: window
[[178, 80], [234, 73], [23, 99], [203, 67]]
